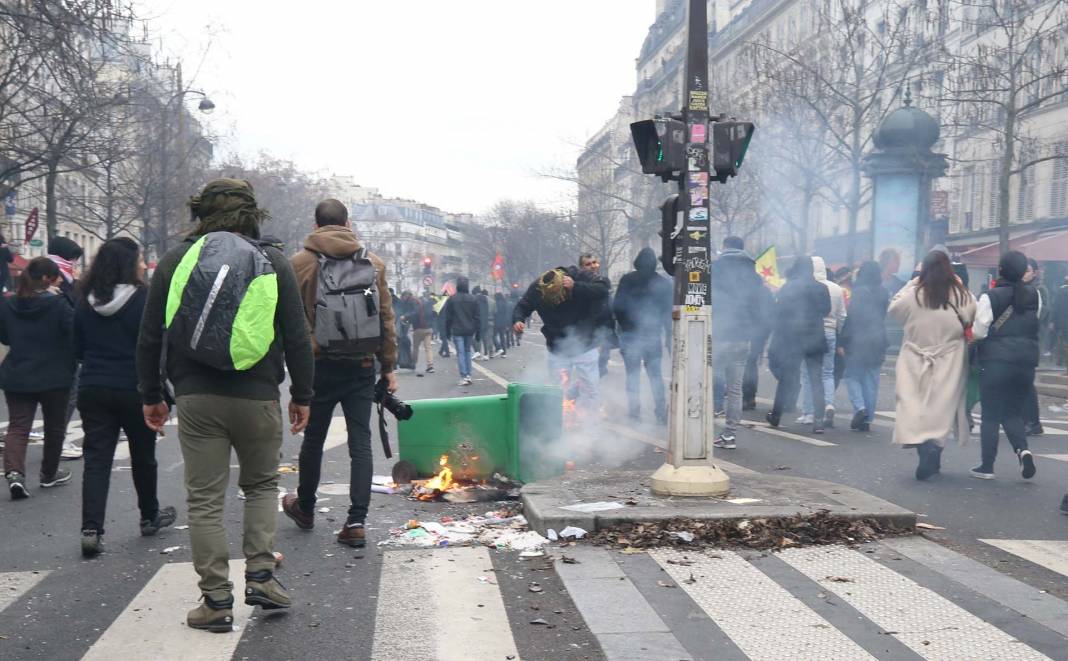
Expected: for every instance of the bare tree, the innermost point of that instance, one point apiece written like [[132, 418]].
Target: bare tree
[[1016, 66]]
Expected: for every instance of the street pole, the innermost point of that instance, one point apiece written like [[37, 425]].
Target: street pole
[[689, 470]]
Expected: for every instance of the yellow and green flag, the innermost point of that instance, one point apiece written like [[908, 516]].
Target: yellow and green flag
[[767, 266]]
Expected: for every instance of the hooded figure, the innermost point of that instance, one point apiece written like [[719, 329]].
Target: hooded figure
[[642, 308], [863, 343], [462, 321]]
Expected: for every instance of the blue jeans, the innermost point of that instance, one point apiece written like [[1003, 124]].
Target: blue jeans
[[863, 386], [463, 354], [826, 375], [583, 371]]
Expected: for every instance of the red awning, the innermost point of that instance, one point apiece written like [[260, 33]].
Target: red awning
[[1043, 247]]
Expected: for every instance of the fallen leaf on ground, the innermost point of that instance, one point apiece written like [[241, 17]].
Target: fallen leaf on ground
[[665, 584], [568, 560], [630, 550], [839, 579], [691, 580], [539, 621], [928, 526]]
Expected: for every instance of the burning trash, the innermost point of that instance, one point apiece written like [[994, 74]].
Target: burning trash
[[462, 483]]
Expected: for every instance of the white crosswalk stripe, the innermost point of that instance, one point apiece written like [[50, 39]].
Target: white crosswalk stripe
[[1051, 554], [438, 594], [155, 620], [929, 624], [17, 583]]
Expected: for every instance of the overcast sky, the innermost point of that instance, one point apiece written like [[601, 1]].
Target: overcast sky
[[456, 103]]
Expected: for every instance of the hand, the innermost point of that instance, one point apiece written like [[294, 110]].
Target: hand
[[156, 416], [298, 417], [519, 327], [841, 351], [569, 284], [391, 381]]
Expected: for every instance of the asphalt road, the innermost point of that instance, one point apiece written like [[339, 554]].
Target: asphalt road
[[388, 602]]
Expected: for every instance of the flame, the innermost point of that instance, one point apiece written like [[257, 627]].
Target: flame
[[570, 411], [443, 480]]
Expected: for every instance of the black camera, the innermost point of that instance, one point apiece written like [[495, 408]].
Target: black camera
[[384, 397]]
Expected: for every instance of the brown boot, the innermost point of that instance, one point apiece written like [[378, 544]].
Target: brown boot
[[353, 536], [213, 616], [291, 506]]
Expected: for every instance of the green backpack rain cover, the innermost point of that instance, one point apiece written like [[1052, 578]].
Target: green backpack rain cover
[[221, 303]]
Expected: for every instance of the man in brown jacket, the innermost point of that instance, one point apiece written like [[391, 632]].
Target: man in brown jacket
[[346, 379]]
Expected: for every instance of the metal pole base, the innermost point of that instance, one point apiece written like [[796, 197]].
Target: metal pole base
[[695, 480]]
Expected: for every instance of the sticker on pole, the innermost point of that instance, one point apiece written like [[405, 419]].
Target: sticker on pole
[[695, 276], [699, 215]]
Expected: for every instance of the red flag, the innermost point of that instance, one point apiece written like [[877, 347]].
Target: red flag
[[498, 267]]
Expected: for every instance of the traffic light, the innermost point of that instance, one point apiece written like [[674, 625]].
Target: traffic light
[[427, 262], [730, 140], [661, 145], [669, 225]]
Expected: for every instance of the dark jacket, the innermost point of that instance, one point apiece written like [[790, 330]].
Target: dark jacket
[[502, 313], [422, 314], [735, 288], [38, 330], [1060, 311], [799, 311], [643, 301], [105, 340], [484, 312], [462, 316], [6, 257], [291, 344], [864, 334], [575, 319], [1016, 342]]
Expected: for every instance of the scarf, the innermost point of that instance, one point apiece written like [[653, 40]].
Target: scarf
[[66, 267]]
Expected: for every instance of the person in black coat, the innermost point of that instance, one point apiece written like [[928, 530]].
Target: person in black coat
[[502, 320], [106, 323], [798, 338], [462, 322], [863, 342], [6, 257], [36, 325], [642, 308]]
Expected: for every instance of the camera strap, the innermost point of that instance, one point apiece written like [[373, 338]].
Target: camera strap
[[383, 432]]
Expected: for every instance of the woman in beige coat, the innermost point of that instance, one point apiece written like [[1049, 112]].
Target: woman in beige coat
[[932, 367]]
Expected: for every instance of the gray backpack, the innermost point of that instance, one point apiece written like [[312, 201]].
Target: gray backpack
[[347, 321]]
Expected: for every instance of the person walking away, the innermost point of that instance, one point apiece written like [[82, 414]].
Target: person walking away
[[439, 310], [935, 310], [798, 339], [1006, 327], [502, 318], [1033, 278], [106, 322], [401, 307], [863, 343], [642, 308], [570, 303], [333, 269], [226, 376], [66, 254], [36, 324], [484, 340], [765, 306], [735, 287], [1059, 323], [832, 324], [6, 257], [422, 320], [462, 322]]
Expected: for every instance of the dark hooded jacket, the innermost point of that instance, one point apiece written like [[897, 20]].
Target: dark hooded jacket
[[461, 311], [105, 338], [570, 327], [801, 305], [38, 329], [1016, 341], [736, 293], [863, 336], [643, 301]]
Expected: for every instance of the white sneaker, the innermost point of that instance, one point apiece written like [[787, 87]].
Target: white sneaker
[[36, 436], [806, 420], [500, 352], [71, 451], [467, 380], [476, 355]]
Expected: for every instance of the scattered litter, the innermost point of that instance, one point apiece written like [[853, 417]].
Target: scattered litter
[[572, 531], [385, 488], [928, 526], [839, 579], [535, 588], [334, 489], [487, 579], [684, 536], [526, 555], [681, 563], [665, 584], [551, 534], [601, 506], [630, 550], [181, 527], [744, 501], [323, 510], [539, 621], [691, 580], [502, 529], [287, 468], [381, 479], [169, 549], [782, 468], [568, 560]]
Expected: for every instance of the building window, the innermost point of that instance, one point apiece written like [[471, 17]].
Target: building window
[[1058, 184]]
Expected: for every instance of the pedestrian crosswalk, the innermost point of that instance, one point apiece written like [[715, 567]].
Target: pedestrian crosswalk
[[899, 599]]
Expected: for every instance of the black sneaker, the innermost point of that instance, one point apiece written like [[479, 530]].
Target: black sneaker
[[164, 517], [749, 405], [429, 369], [16, 483], [772, 418], [930, 460], [1027, 462], [90, 543], [859, 418], [982, 472], [61, 476]]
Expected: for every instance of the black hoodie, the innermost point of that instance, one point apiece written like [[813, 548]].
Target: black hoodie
[[38, 330], [461, 311], [577, 318], [736, 297], [643, 300]]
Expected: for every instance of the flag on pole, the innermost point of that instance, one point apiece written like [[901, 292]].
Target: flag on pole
[[767, 266], [498, 267]]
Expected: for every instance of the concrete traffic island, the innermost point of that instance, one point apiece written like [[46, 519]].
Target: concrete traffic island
[[608, 500]]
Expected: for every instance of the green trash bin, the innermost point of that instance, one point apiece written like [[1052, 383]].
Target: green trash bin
[[517, 434]]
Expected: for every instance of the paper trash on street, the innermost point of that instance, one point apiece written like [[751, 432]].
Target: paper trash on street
[[601, 506]]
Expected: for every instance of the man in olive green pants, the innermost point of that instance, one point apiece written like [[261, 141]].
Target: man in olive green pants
[[220, 409]]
